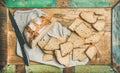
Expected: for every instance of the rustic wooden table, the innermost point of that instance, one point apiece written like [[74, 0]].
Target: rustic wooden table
[[66, 17], [12, 58]]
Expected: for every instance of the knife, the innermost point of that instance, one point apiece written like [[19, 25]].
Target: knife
[[20, 39]]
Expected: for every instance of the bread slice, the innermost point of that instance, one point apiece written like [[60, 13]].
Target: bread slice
[[83, 31], [79, 54], [88, 16], [62, 60], [42, 44], [93, 39], [47, 57], [54, 43], [76, 40], [91, 52], [99, 25], [66, 48], [48, 52], [75, 24]]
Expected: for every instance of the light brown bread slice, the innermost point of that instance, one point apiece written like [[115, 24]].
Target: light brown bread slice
[[75, 24], [47, 57], [62, 60], [91, 52], [99, 25], [48, 52], [93, 39], [54, 43], [76, 40], [100, 12], [79, 54], [83, 31], [66, 48], [88, 16], [41, 44]]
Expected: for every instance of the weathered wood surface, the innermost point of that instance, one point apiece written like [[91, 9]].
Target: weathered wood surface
[[3, 36]]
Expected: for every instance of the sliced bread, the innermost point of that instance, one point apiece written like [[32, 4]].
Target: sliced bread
[[79, 54], [88, 16], [66, 48], [83, 31], [99, 25], [76, 40], [62, 60], [75, 24], [47, 57], [91, 52]]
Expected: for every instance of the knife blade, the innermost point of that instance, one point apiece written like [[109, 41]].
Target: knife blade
[[20, 39]]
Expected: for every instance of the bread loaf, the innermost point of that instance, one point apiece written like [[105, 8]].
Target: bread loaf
[[36, 29]]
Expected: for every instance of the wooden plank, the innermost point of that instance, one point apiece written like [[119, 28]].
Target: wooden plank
[[63, 3], [3, 36], [69, 70], [20, 68]]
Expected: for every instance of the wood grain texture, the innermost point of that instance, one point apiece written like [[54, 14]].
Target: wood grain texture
[[63, 3], [20, 68], [69, 70], [3, 36]]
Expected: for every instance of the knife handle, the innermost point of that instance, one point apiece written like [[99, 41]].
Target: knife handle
[[25, 55]]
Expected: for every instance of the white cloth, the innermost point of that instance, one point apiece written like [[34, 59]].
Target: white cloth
[[35, 54]]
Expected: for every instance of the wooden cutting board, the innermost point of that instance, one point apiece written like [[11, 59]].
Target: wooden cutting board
[[66, 17]]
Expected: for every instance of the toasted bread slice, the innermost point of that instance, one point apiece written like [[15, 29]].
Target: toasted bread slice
[[66, 48], [79, 54], [54, 43], [93, 39], [47, 57], [76, 40], [99, 25], [88, 16], [62, 60], [91, 52], [83, 31], [75, 24]]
